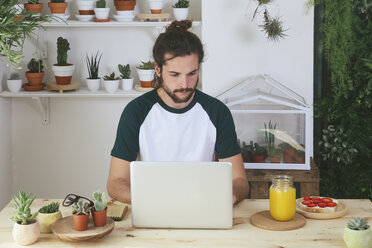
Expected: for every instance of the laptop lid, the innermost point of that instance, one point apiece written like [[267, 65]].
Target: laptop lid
[[181, 194]]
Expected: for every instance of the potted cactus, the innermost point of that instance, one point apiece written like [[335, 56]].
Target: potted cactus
[[62, 70], [35, 72], [26, 229], [127, 80], [146, 72], [14, 83], [111, 83], [99, 212], [357, 234], [57, 6], [93, 81], [181, 9], [33, 6], [80, 215], [47, 216], [101, 12]]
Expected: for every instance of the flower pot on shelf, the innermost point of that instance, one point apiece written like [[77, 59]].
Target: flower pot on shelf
[[259, 159], [146, 77], [14, 85], [156, 6], [102, 13], [180, 13], [127, 84], [99, 217], [111, 86], [19, 7], [35, 78], [289, 155], [93, 84], [86, 7], [63, 73], [57, 8], [124, 5], [275, 159], [34, 8]]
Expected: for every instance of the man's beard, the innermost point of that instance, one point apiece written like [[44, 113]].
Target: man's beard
[[173, 95]]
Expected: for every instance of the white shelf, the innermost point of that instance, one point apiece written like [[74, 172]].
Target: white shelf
[[112, 23]]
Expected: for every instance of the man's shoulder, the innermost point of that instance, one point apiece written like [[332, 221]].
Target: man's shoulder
[[209, 102], [144, 101]]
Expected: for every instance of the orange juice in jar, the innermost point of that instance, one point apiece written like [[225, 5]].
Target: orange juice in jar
[[282, 198]]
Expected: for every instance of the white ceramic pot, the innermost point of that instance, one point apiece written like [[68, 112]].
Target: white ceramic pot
[[63, 70], [93, 84], [111, 85], [46, 221], [128, 13], [86, 4], [180, 13], [156, 5], [146, 75], [102, 13], [357, 238], [14, 85], [19, 7], [123, 18], [26, 234], [127, 84]]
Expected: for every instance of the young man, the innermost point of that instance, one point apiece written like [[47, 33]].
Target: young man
[[175, 121]]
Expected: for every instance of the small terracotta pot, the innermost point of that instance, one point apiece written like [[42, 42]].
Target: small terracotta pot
[[86, 12], [18, 18], [34, 8], [275, 159], [247, 158], [35, 78], [80, 222], [125, 5], [63, 80], [57, 8], [99, 217], [300, 159], [156, 11], [259, 159], [146, 84], [289, 156]]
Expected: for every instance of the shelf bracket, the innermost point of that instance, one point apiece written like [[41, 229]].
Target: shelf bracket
[[43, 104]]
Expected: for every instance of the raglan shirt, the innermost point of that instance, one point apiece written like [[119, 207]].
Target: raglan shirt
[[156, 132]]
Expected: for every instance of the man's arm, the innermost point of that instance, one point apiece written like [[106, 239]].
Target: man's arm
[[118, 182], [240, 182]]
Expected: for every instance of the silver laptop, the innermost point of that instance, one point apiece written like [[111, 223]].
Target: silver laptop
[[181, 194]]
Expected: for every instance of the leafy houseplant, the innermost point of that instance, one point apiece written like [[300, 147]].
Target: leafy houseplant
[[62, 70], [35, 72], [47, 216], [57, 6], [146, 71], [100, 210], [26, 229], [181, 9], [80, 215], [127, 80], [259, 153], [357, 234], [111, 83], [101, 12], [93, 80], [14, 83]]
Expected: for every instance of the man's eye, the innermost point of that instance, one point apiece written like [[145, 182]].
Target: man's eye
[[174, 75]]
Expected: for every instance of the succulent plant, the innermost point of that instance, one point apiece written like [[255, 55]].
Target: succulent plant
[[259, 150], [358, 224], [111, 77], [149, 65], [181, 4], [62, 47], [125, 71], [57, 1], [33, 1], [35, 66], [101, 4], [51, 208], [81, 207], [14, 76], [22, 209], [99, 200], [93, 65]]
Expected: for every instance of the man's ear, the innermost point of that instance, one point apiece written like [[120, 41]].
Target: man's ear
[[157, 70]]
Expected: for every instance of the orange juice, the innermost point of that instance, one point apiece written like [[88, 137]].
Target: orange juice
[[282, 198]]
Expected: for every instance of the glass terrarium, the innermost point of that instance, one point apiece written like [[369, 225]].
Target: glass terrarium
[[272, 124]]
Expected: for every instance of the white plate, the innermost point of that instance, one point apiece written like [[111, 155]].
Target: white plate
[[121, 18], [85, 18]]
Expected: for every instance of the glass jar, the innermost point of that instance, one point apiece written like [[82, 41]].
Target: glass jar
[[282, 198]]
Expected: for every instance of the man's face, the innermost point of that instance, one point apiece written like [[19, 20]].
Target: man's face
[[180, 77]]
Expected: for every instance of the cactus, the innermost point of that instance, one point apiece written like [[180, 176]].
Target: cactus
[[181, 4], [125, 71], [111, 77], [358, 224], [101, 4], [49, 209], [15, 76], [35, 66], [99, 200], [147, 65], [22, 209], [62, 47], [57, 1], [81, 207]]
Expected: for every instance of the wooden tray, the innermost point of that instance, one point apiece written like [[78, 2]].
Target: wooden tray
[[341, 210], [264, 220], [154, 17], [64, 229], [63, 87]]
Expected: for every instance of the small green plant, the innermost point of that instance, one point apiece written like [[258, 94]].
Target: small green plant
[[35, 66], [269, 135], [125, 71], [149, 65], [49, 209], [259, 150], [93, 65], [99, 200], [22, 209], [181, 4], [14, 76], [357, 224], [101, 4], [57, 1], [81, 207], [111, 77], [62, 47]]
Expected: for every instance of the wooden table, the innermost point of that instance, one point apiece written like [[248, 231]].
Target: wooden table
[[316, 233]]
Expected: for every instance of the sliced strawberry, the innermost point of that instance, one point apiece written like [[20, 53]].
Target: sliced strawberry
[[312, 205], [326, 200], [306, 202], [332, 204], [322, 204], [316, 199], [307, 198]]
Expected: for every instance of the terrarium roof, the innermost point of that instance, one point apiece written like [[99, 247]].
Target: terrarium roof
[[262, 90]]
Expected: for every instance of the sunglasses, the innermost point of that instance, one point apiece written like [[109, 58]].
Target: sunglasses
[[72, 198]]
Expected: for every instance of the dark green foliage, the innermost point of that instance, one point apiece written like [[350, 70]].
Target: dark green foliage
[[49, 209], [101, 4], [125, 71], [35, 66], [15, 76], [62, 47], [259, 150], [93, 65], [111, 77], [181, 4]]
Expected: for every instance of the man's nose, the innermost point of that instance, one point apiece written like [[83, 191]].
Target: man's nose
[[183, 82]]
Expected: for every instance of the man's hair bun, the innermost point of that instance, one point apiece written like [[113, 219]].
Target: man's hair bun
[[183, 25]]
